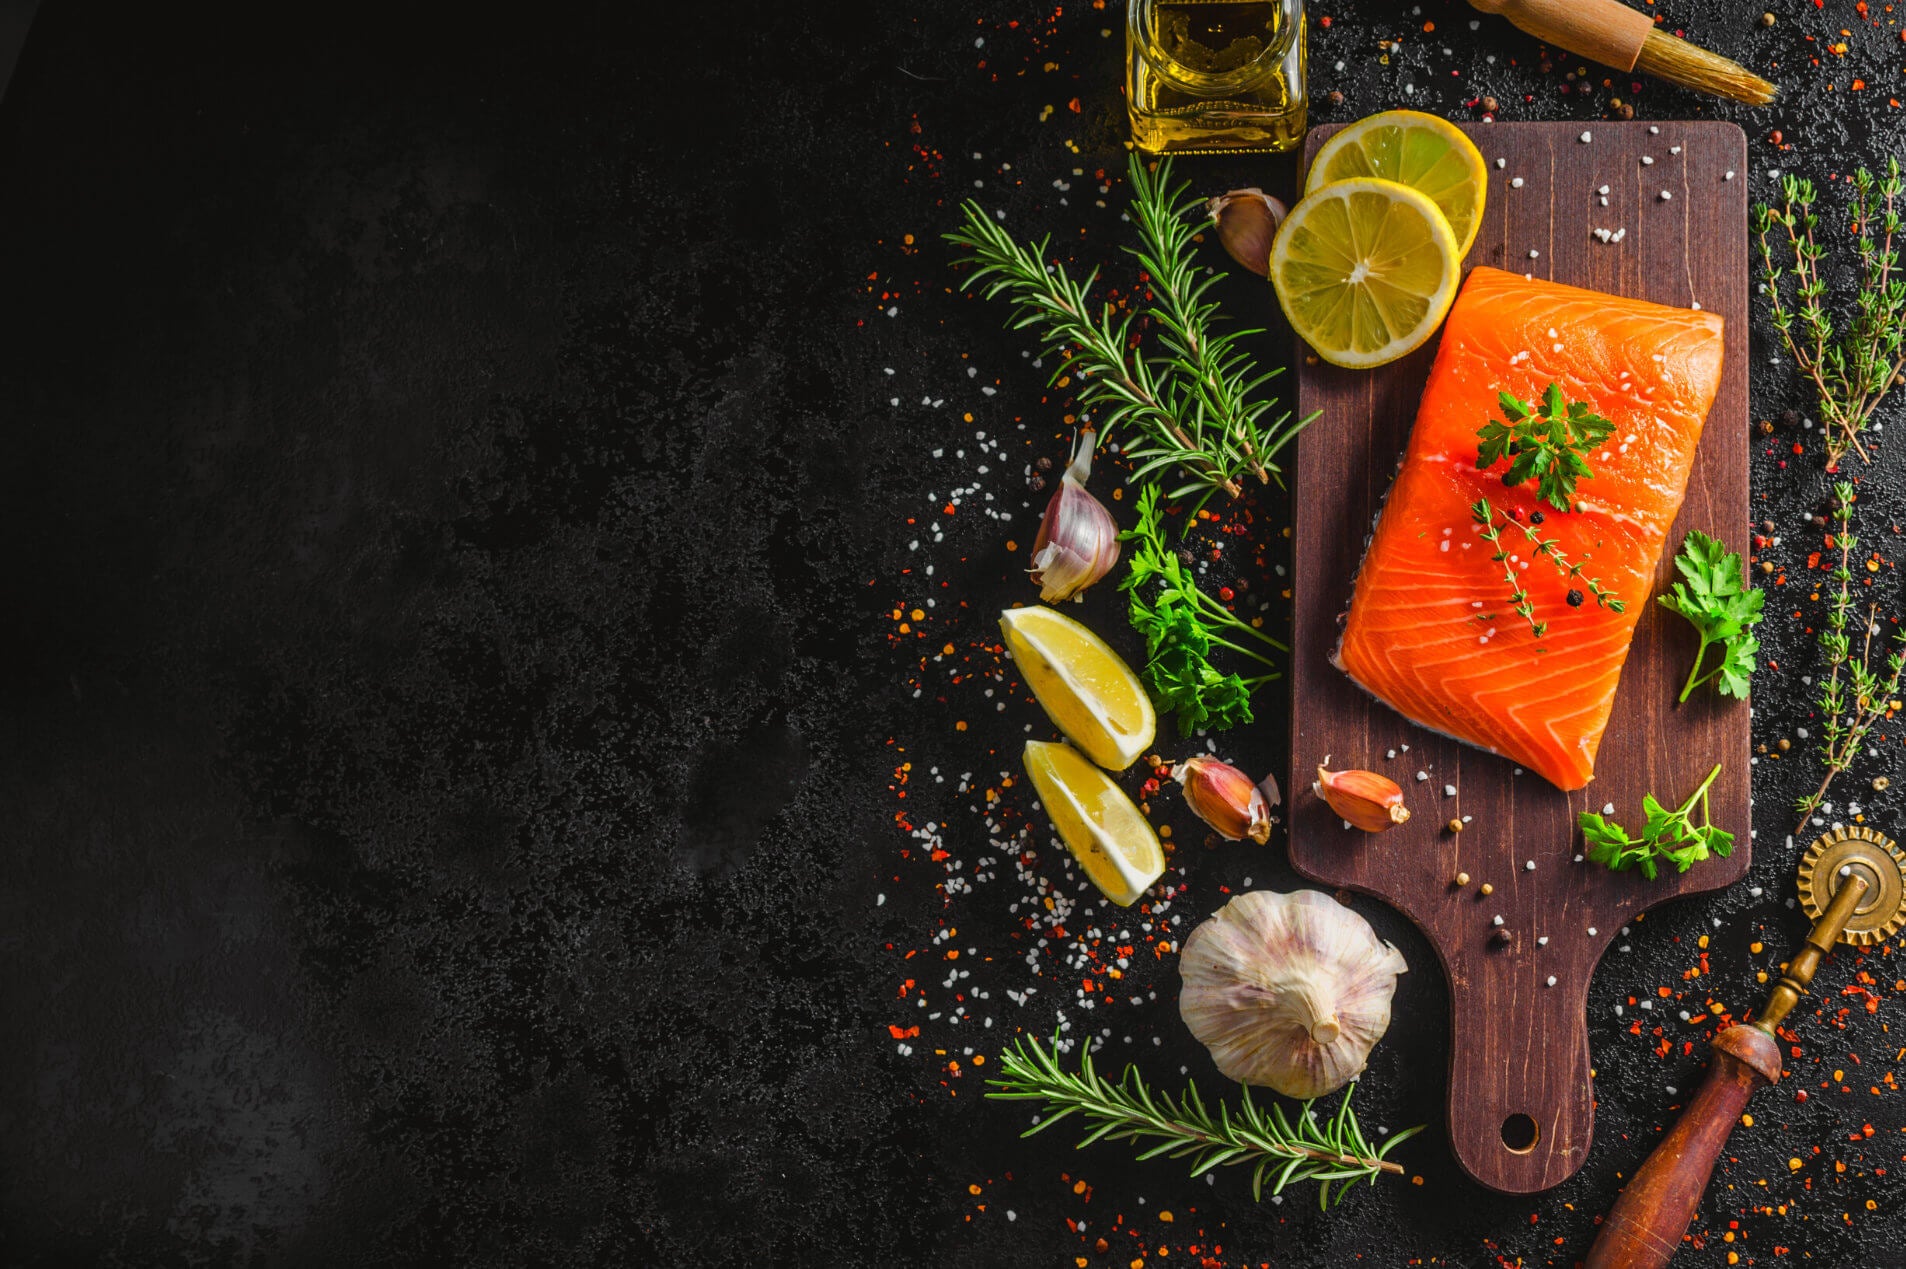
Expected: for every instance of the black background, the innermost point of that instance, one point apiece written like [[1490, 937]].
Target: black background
[[453, 711]]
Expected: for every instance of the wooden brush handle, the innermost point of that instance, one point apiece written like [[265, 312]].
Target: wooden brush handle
[[1645, 1226], [1605, 31]]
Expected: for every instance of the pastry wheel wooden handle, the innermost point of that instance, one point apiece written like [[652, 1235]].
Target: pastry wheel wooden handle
[[1645, 1226]]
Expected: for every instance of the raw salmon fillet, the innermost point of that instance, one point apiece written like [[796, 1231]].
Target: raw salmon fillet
[[1431, 629]]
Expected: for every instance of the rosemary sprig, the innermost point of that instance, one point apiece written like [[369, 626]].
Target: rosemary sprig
[[1542, 548], [1853, 696], [1193, 404], [1213, 381], [1851, 371], [1282, 1149]]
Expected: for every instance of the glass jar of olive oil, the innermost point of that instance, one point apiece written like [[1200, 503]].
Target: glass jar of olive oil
[[1215, 74]]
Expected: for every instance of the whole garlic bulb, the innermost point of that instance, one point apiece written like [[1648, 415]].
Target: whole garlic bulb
[[1289, 991]]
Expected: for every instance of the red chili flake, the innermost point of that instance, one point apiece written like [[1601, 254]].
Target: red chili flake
[[902, 1033], [1226, 594], [1325, 23]]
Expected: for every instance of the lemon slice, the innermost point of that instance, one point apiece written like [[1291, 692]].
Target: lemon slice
[[1090, 695], [1365, 269], [1430, 155], [1112, 841]]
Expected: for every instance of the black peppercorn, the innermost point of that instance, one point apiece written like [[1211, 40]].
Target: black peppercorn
[[1044, 463], [1036, 483], [1574, 598], [1536, 517], [1790, 418], [1626, 112], [1335, 97]]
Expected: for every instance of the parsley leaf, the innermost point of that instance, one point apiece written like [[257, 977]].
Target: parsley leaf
[[1182, 627], [1668, 835], [1713, 595], [1544, 442]]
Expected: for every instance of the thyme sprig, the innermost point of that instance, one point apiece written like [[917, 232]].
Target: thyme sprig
[[1281, 1149], [1851, 370], [1542, 548], [1853, 695], [1485, 516], [1196, 404]]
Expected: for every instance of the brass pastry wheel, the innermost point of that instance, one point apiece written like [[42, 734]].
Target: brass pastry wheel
[[1871, 856], [1853, 884]]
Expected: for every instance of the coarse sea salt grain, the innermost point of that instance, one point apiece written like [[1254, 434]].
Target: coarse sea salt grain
[[1587, 137], [1667, 195], [1502, 163], [1516, 183], [1551, 980]]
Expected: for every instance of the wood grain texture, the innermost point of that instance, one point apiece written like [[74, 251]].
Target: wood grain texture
[[1517, 1045], [1645, 1227]]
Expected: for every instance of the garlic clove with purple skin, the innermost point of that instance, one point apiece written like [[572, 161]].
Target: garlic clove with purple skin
[[1077, 542], [1225, 798], [1247, 221], [1370, 801]]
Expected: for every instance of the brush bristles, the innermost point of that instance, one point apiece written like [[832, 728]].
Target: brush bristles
[[1692, 66]]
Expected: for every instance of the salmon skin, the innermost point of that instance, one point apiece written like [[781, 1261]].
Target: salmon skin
[[1432, 630]]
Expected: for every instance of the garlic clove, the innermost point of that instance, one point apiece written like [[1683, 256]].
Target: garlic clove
[[1077, 543], [1247, 221], [1225, 798], [1288, 991], [1370, 801]]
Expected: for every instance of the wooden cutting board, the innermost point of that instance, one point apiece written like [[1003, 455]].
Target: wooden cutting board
[[1517, 1046]]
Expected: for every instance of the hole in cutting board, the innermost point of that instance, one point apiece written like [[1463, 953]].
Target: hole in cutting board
[[1520, 1133]]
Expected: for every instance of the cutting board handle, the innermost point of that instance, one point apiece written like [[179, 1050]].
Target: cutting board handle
[[1521, 1108]]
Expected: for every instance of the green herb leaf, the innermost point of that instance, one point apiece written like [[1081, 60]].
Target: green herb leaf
[[1715, 598], [1182, 626], [1544, 443], [1671, 835]]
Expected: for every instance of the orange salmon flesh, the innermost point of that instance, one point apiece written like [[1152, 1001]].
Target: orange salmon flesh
[[1432, 631]]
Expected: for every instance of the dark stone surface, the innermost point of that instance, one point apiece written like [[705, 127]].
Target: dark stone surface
[[453, 701]]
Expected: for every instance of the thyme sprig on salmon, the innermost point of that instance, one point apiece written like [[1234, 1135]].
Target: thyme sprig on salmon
[[1542, 548]]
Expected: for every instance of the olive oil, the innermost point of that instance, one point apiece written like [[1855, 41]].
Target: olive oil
[[1215, 74]]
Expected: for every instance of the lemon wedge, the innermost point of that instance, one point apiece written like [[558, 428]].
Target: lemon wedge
[[1105, 832], [1428, 154], [1088, 692], [1365, 269]]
